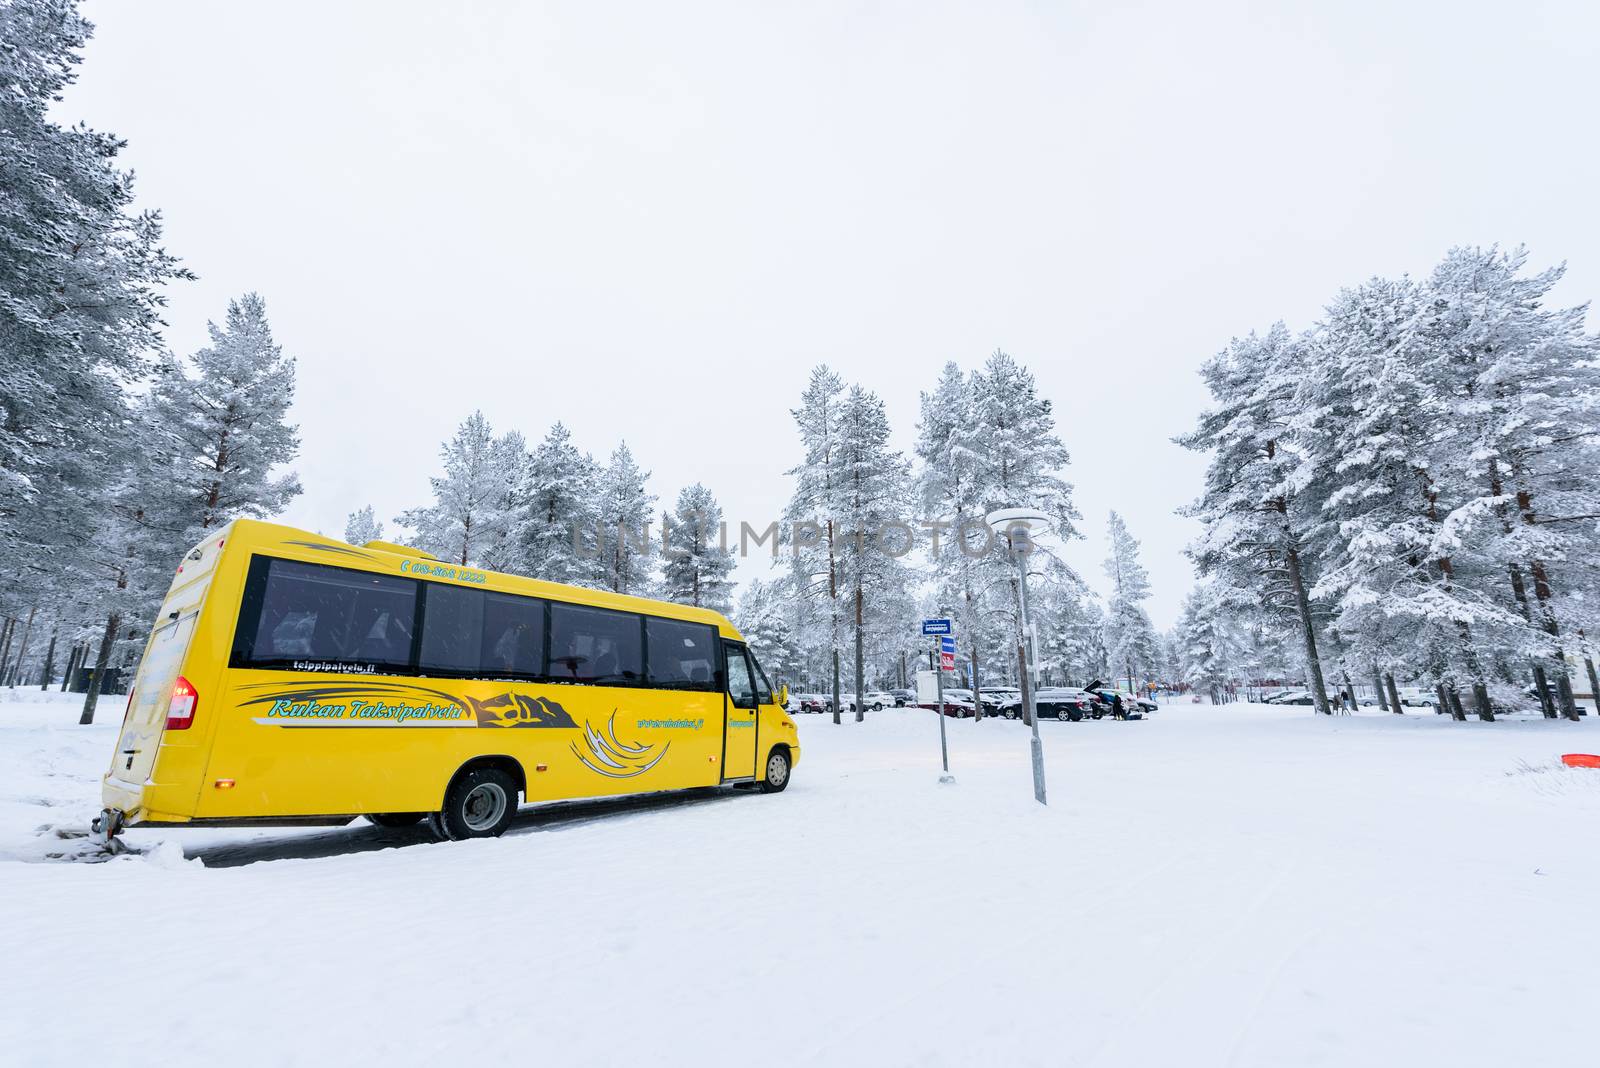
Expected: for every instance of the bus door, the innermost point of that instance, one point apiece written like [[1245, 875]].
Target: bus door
[[739, 736]]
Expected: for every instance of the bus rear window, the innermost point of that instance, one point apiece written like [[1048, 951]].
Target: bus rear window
[[331, 618]]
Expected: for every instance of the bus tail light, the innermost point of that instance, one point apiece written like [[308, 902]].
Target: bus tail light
[[180, 712]]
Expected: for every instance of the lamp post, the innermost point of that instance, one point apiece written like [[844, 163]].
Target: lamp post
[[1007, 522]]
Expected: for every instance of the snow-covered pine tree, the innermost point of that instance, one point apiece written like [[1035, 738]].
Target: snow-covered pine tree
[[209, 441], [949, 450], [362, 526], [554, 526], [1522, 384], [623, 509], [766, 617], [1130, 636], [221, 429], [1253, 508], [1376, 431], [815, 548], [986, 442], [696, 568], [868, 510], [80, 294], [467, 515]]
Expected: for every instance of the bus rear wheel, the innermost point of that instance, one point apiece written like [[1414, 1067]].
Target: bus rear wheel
[[479, 804], [777, 775], [395, 819]]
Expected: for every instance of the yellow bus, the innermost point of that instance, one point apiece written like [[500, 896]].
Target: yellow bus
[[291, 678]]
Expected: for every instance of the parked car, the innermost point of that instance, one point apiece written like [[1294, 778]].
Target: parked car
[[875, 701], [989, 707], [808, 702], [1299, 697], [1057, 702], [1133, 706], [1417, 697], [999, 696], [902, 698], [954, 706]]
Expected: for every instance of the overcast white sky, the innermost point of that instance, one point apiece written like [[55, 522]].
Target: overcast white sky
[[650, 221]]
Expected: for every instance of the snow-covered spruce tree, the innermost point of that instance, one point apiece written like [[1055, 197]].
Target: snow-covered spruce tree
[[1130, 636], [468, 514], [555, 518], [696, 568], [1254, 508], [814, 538], [868, 510], [1522, 384], [362, 526], [623, 510]]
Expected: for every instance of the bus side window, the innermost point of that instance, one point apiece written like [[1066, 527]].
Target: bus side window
[[741, 688], [595, 645], [513, 637], [680, 653], [329, 613], [763, 687], [452, 629]]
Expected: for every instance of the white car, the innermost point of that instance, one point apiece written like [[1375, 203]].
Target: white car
[[876, 700]]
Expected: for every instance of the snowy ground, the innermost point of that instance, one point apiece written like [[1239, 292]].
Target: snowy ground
[[1239, 885]]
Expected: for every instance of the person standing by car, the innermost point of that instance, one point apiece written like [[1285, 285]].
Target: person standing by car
[[1116, 706]]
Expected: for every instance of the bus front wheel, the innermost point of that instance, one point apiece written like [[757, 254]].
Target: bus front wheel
[[479, 804], [777, 776], [395, 819]]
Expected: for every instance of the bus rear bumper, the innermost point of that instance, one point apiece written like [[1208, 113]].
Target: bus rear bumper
[[106, 826]]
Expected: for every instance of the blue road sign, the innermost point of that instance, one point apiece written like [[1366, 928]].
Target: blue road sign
[[947, 645], [937, 626]]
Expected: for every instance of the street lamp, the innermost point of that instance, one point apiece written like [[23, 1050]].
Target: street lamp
[[1015, 525]]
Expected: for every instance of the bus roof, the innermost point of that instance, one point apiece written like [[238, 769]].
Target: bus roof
[[390, 558]]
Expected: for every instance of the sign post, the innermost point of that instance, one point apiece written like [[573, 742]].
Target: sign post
[[945, 646]]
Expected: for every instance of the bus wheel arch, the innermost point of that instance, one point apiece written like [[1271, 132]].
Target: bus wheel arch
[[480, 800], [776, 769]]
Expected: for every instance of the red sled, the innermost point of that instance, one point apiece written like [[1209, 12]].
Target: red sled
[[1580, 760]]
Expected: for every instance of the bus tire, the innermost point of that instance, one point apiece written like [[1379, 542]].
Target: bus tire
[[480, 803], [777, 772], [395, 819]]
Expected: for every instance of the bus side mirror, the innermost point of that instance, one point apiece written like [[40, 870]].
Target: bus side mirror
[[783, 696]]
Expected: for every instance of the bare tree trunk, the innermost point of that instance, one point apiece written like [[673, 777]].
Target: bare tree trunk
[[1594, 683], [836, 718], [1547, 614], [5, 645], [1394, 694], [49, 659], [861, 688], [1308, 632], [1480, 698], [22, 647], [1457, 712], [1541, 686], [72, 665], [92, 695], [1377, 688]]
